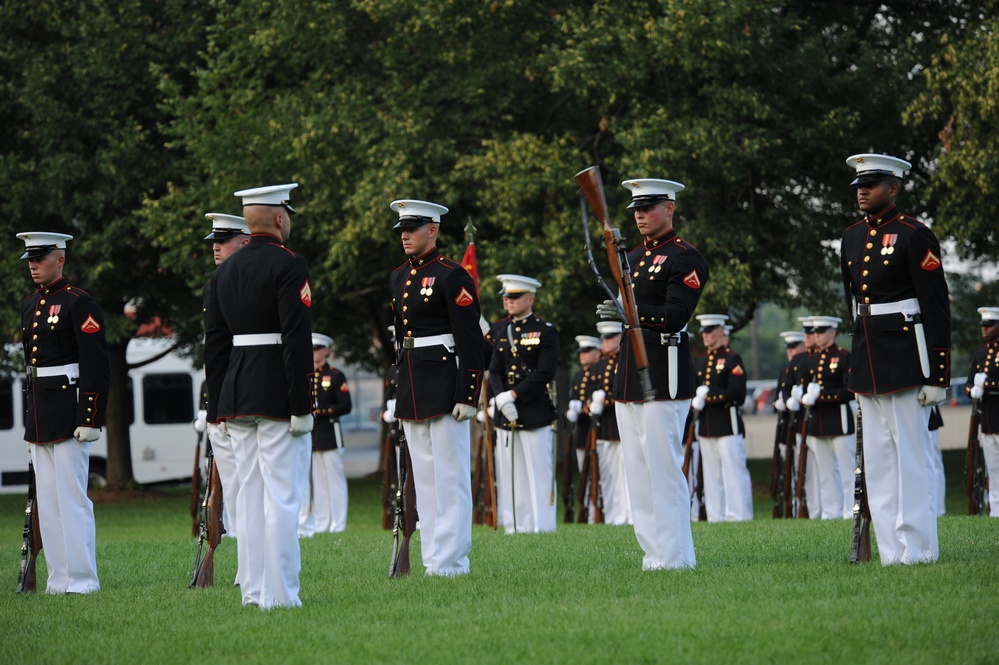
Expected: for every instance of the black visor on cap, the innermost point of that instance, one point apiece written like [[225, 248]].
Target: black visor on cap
[[648, 201], [413, 221], [871, 177], [707, 329], [987, 323], [223, 234], [38, 251], [791, 345]]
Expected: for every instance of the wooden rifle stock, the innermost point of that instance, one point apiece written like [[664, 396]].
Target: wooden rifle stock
[[777, 469], [490, 517], [211, 528], [196, 486], [32, 543], [688, 446], [405, 513], [589, 481], [860, 551], [592, 186], [800, 498], [974, 481]]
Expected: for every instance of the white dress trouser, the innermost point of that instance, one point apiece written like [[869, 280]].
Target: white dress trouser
[[728, 489], [899, 478], [990, 451], [272, 466], [613, 482], [329, 490], [940, 484], [66, 515], [306, 516], [651, 436], [525, 479], [225, 460], [822, 464], [845, 451], [440, 451]]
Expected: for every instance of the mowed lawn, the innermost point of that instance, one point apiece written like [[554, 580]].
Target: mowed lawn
[[766, 591]]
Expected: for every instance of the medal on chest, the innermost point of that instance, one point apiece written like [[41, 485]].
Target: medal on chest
[[530, 339], [833, 364], [657, 263], [719, 365], [427, 286], [888, 243], [54, 314]]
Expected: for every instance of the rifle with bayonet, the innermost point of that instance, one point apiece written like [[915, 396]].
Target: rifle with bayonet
[[860, 551], [405, 512], [210, 529], [32, 543], [592, 187]]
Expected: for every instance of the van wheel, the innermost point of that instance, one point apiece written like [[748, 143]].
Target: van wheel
[[98, 478]]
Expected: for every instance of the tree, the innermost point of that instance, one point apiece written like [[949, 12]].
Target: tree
[[959, 102], [81, 148]]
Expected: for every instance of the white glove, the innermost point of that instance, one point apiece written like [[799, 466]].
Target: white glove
[[492, 408], [505, 403], [794, 401], [200, 421], [86, 434], [811, 395], [597, 400], [702, 391], [572, 415], [797, 392], [698, 403], [389, 414], [608, 310], [480, 417], [223, 428], [299, 425], [463, 412], [931, 395], [980, 379], [977, 392], [483, 325], [779, 405]]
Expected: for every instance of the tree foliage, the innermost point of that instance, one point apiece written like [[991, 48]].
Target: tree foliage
[[125, 123]]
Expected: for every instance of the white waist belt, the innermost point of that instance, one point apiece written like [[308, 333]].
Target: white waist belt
[[909, 306], [72, 371], [257, 339], [431, 340]]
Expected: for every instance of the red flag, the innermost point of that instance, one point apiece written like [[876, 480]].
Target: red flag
[[469, 264]]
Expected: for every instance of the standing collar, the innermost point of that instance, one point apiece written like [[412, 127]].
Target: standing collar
[[660, 240]]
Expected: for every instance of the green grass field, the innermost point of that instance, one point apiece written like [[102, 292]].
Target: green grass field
[[767, 591]]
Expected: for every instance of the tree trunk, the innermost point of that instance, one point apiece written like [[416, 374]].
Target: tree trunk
[[119, 467]]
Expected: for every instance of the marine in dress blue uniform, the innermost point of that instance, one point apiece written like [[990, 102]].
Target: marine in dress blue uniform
[[668, 275], [229, 234], [258, 341], [439, 375], [588, 353], [523, 363], [332, 402], [893, 275], [832, 443], [983, 385], [721, 433], [65, 399], [613, 481]]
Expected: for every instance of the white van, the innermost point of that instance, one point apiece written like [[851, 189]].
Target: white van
[[164, 401], [164, 398]]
